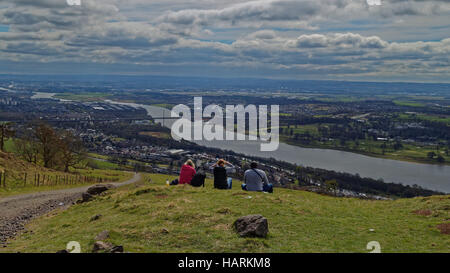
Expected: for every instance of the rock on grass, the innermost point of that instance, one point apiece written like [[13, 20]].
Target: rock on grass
[[102, 236], [252, 226]]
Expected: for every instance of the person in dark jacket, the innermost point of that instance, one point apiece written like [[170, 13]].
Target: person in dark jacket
[[221, 179]]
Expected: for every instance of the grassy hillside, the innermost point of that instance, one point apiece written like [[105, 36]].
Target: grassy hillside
[[18, 170], [151, 217]]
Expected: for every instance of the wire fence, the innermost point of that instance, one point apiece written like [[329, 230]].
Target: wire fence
[[37, 179]]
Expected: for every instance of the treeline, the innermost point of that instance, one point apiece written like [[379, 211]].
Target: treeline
[[56, 149]]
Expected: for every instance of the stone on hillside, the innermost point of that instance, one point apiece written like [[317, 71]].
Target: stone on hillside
[[165, 231], [252, 226], [102, 236], [117, 249], [86, 197], [95, 217], [97, 189], [102, 246]]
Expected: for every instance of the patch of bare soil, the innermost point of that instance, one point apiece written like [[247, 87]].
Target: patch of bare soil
[[444, 228], [423, 212]]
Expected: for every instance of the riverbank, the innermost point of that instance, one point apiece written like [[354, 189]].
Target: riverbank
[[396, 157]]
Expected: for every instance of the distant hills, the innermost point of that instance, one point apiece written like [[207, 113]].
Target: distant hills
[[252, 84]]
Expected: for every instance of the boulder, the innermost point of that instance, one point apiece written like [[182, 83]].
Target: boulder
[[102, 246], [117, 249], [86, 197], [95, 217], [97, 189], [251, 226], [165, 231], [102, 236]]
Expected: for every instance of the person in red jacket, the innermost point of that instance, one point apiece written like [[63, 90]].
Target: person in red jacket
[[187, 172]]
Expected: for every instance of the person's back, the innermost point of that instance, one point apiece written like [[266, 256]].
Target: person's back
[[221, 180], [187, 172], [255, 179], [220, 177]]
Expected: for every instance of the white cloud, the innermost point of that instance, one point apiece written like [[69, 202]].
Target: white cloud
[[283, 37]]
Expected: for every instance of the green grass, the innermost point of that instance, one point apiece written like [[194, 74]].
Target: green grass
[[16, 186], [152, 217], [83, 96], [9, 145], [312, 129], [409, 103], [427, 117], [104, 165], [164, 105]]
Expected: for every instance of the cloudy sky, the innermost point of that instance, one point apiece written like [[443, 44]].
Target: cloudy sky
[[401, 40]]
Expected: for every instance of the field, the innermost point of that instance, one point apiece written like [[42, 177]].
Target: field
[[151, 217], [409, 103], [409, 152], [436, 118], [164, 105], [82, 96], [156, 134]]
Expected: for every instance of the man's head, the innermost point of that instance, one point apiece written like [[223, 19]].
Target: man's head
[[253, 165]]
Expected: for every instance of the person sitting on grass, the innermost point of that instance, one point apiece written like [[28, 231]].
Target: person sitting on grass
[[187, 172], [256, 180], [221, 179]]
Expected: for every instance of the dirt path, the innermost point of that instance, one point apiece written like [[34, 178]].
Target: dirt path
[[16, 211]]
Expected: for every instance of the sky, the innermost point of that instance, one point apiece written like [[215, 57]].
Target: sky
[[399, 40]]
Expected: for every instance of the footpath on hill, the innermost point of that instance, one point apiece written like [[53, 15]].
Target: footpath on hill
[[17, 210]]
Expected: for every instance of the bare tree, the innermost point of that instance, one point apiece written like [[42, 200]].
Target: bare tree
[[71, 150], [27, 147], [48, 143], [5, 133]]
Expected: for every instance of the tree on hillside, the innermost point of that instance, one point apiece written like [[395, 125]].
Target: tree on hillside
[[431, 155], [27, 147], [48, 143], [5, 133], [71, 150], [332, 185]]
